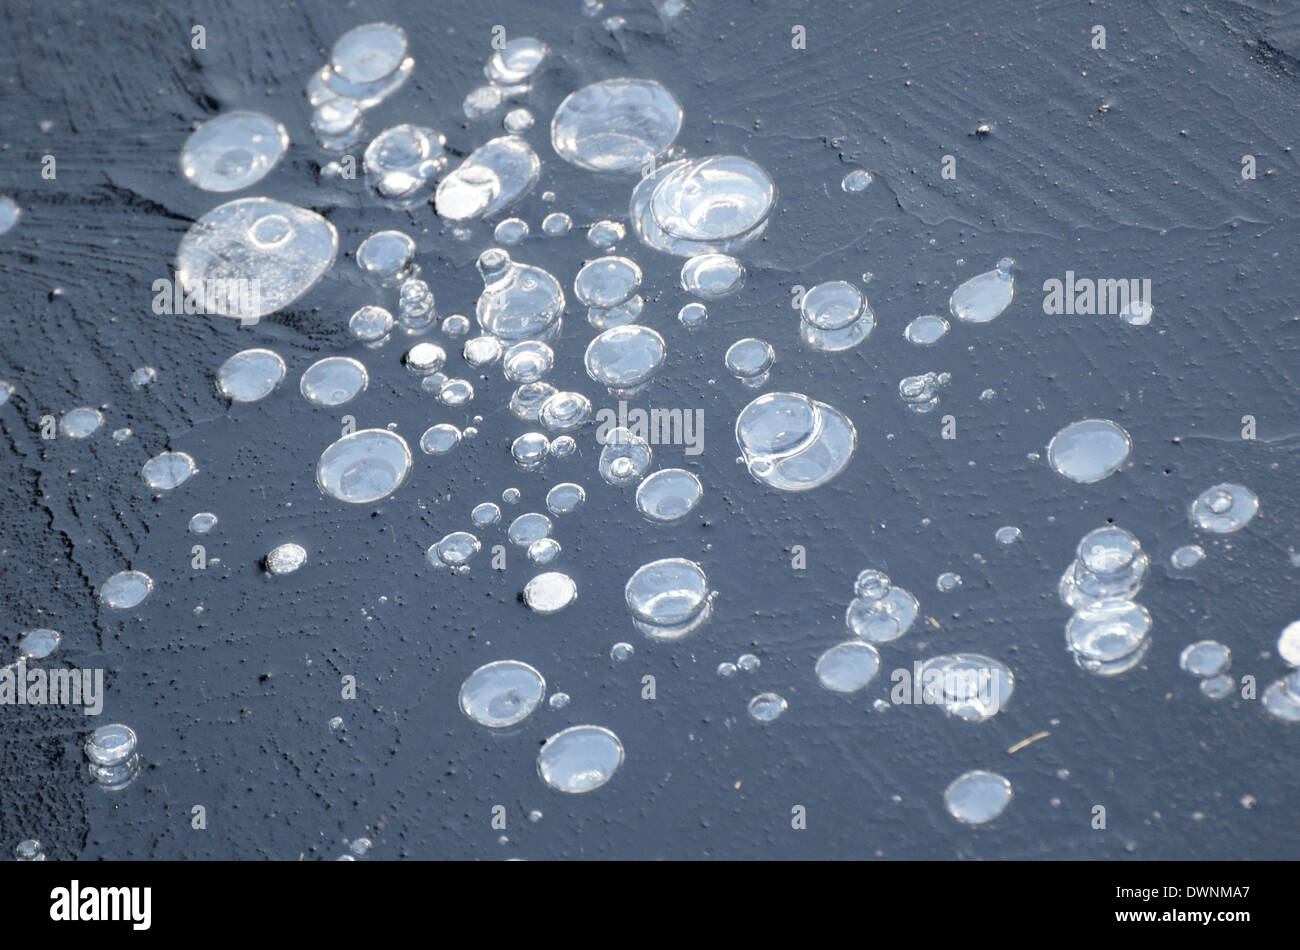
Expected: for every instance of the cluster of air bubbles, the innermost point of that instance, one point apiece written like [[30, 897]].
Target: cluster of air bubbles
[[367, 64], [508, 71], [402, 162], [921, 393], [337, 124], [1208, 660], [519, 301], [625, 458], [879, 611], [491, 178], [968, 686], [1089, 451], [579, 759], [416, 307], [1109, 565], [926, 330], [668, 495], [668, 598], [502, 694], [985, 296], [251, 257], [285, 558], [1109, 632], [835, 316], [977, 797], [111, 751], [624, 359], [233, 151], [793, 443], [364, 467], [1224, 508]]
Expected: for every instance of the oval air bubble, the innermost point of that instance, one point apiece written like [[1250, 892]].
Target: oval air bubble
[[364, 467]]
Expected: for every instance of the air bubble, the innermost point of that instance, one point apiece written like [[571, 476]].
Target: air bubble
[[364, 467], [250, 375], [1089, 451], [125, 589], [580, 759], [977, 797], [668, 495], [1224, 508], [501, 694]]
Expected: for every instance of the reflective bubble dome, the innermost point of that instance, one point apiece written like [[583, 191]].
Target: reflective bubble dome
[[233, 151], [1089, 451], [668, 495], [616, 125], [579, 759], [624, 358], [364, 467], [502, 693]]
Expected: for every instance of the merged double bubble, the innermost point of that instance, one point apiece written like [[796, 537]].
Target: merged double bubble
[[792, 442]]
